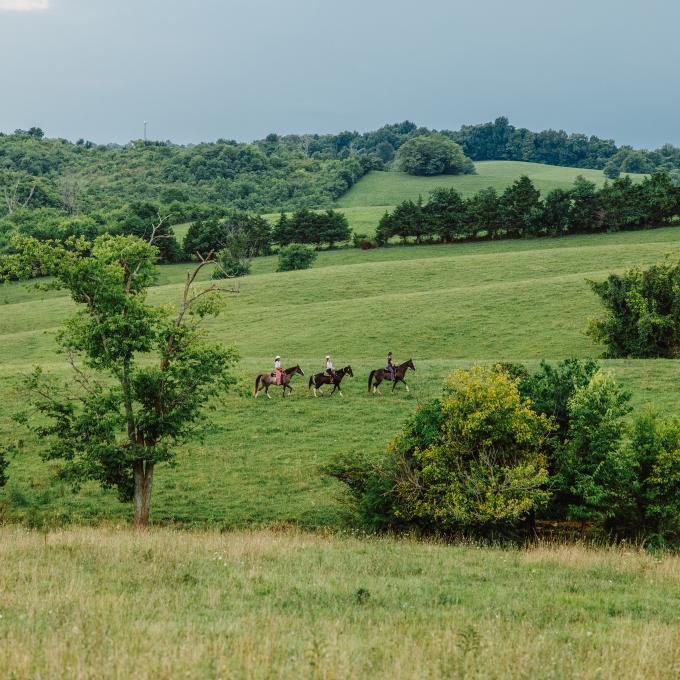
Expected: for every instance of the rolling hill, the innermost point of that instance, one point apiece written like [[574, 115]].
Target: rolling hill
[[366, 202], [445, 306]]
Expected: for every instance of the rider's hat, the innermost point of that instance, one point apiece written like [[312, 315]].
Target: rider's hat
[[328, 356], [276, 357]]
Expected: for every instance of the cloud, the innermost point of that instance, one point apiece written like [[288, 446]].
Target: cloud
[[23, 5]]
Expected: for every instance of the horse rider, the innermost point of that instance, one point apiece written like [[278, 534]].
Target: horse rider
[[278, 371], [390, 366], [329, 367]]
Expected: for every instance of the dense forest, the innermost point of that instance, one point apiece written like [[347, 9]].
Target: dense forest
[[278, 172]]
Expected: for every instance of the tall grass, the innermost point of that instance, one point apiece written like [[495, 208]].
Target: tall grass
[[111, 603]]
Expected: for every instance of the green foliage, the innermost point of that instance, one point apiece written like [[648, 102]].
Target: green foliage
[[144, 220], [551, 388], [642, 312], [655, 447], [229, 266], [433, 154], [142, 374], [519, 208], [472, 459], [594, 475], [243, 235], [306, 226], [520, 212], [295, 256]]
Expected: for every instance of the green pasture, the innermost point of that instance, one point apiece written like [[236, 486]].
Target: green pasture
[[366, 202], [390, 188], [444, 306]]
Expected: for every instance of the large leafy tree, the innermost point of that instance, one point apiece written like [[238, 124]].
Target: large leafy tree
[[142, 374], [433, 155]]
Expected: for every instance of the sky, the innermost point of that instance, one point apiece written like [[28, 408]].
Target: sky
[[199, 70]]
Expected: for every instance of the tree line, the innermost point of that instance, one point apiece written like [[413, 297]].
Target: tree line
[[521, 212]]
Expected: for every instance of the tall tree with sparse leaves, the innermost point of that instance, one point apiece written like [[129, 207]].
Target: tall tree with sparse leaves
[[141, 374]]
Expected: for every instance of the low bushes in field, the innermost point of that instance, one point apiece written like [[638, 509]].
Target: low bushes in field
[[501, 446], [295, 256]]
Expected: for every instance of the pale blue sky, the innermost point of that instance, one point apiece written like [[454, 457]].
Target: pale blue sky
[[203, 69]]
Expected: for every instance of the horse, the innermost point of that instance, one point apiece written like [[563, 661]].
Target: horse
[[316, 381], [268, 380], [383, 374]]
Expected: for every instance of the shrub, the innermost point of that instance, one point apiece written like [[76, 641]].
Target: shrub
[[550, 389], [473, 459], [364, 242], [230, 266], [295, 256], [655, 449], [642, 312], [594, 475]]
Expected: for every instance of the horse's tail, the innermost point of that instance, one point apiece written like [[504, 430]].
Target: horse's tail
[[311, 380], [257, 382], [370, 380]]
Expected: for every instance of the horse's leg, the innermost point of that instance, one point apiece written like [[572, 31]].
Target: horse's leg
[[266, 391], [376, 385]]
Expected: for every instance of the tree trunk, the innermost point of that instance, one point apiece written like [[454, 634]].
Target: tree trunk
[[142, 499]]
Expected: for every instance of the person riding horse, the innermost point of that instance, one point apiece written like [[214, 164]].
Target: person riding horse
[[390, 365], [278, 371], [329, 367]]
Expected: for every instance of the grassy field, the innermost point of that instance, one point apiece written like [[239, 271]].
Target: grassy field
[[110, 603], [370, 197], [445, 306], [390, 188]]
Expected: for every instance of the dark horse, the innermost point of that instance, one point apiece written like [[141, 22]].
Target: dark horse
[[316, 381], [267, 380], [376, 377]]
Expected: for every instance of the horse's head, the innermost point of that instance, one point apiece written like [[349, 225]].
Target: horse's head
[[348, 371], [410, 364], [297, 369]]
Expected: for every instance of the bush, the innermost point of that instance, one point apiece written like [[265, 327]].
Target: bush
[[433, 155], [595, 475], [642, 312], [473, 459], [229, 266], [363, 242], [655, 449], [295, 256], [550, 389]]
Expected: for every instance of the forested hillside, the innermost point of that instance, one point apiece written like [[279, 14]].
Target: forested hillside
[[278, 172]]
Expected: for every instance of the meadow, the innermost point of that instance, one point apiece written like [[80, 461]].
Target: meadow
[[390, 188], [366, 202], [112, 603], [444, 306], [274, 579]]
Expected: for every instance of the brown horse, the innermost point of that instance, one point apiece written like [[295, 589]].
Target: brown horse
[[377, 376], [316, 381], [267, 380]]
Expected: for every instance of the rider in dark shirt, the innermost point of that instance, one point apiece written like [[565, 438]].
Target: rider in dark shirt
[[390, 365]]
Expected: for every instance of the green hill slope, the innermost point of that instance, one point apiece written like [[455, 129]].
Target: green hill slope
[[445, 306], [390, 188]]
